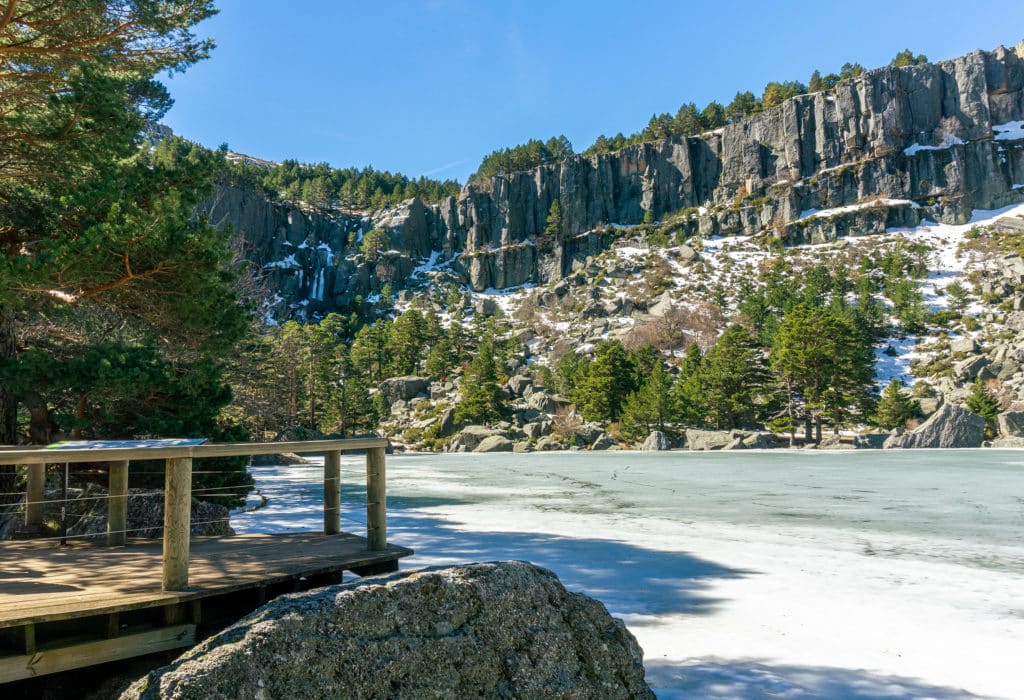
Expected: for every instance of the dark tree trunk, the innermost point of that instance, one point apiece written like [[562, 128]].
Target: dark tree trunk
[[8, 402]]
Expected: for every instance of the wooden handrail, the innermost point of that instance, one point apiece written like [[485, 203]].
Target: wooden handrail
[[42, 455], [178, 487]]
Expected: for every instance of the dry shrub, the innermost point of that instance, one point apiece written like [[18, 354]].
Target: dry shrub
[[565, 421], [677, 329]]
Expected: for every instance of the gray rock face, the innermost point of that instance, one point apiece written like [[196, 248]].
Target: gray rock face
[[1011, 424], [707, 439], [604, 441], [403, 388], [922, 135], [494, 443], [950, 426], [504, 629], [656, 441]]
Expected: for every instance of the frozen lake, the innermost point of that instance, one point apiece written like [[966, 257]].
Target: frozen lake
[[777, 574]]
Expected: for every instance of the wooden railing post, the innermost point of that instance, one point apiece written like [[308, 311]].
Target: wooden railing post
[[332, 492], [376, 500], [117, 505], [34, 496], [177, 523]]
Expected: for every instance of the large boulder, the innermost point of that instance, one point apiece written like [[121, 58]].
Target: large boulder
[[494, 443], [870, 441], [751, 441], [1011, 424], [657, 441], [963, 346], [403, 388], [518, 384], [950, 426], [547, 403], [495, 630], [971, 367], [1007, 442], [470, 437], [708, 439]]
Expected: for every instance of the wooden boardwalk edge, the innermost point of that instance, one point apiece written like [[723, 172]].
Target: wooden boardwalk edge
[[66, 658]]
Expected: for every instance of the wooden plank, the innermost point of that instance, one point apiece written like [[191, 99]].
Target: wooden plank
[[177, 523], [376, 500], [106, 454], [298, 447], [46, 661], [34, 496], [41, 455], [117, 505], [332, 492]]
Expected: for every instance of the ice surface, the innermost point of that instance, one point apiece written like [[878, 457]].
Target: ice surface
[[765, 574]]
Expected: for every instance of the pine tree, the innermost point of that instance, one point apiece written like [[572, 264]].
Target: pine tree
[[981, 401], [734, 376], [689, 401], [553, 225], [650, 406], [823, 364], [481, 400], [958, 297], [906, 57], [609, 379], [406, 343], [894, 407]]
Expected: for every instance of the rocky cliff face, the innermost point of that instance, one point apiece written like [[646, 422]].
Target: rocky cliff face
[[932, 141]]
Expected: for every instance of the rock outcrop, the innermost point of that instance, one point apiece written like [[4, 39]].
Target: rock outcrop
[[950, 426], [506, 629], [1011, 424], [888, 148], [655, 442], [403, 388], [494, 443], [707, 439]]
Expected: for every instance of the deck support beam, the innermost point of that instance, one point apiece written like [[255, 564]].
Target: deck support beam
[[376, 500], [177, 523], [332, 492], [34, 497], [117, 505]]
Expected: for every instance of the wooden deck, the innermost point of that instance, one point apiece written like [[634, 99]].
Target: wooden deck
[[84, 604], [69, 607], [41, 583]]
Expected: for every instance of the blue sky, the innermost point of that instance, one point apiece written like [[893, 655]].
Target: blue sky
[[429, 87]]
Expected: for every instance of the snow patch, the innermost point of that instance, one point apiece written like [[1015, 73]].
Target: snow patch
[[289, 263], [1010, 131], [827, 213], [948, 141]]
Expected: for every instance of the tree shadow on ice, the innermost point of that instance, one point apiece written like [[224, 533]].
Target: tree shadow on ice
[[628, 579], [753, 678]]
